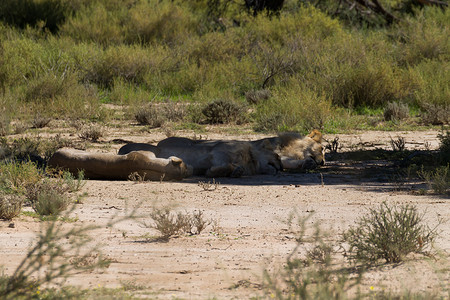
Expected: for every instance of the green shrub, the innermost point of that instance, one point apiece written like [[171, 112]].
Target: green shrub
[[389, 232], [130, 63], [297, 108], [370, 84], [424, 36], [92, 132], [432, 91], [96, 23], [222, 111], [50, 203], [395, 111], [438, 180], [35, 189], [318, 276], [257, 96], [15, 176], [150, 115], [164, 22]]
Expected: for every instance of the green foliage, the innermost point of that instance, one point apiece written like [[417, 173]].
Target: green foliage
[[150, 115], [15, 176], [424, 36], [389, 232], [223, 111], [438, 180], [132, 51], [50, 202], [297, 108]]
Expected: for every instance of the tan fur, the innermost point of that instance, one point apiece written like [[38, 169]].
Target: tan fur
[[298, 152], [216, 158], [112, 166]]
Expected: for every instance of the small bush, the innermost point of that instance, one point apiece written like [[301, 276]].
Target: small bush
[[10, 205], [398, 144], [223, 111], [435, 114], [150, 115], [33, 190], [389, 233], [50, 202], [92, 133], [170, 224], [74, 184], [40, 121], [438, 180], [395, 111]]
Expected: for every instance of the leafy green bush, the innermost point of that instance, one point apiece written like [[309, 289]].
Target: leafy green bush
[[389, 232]]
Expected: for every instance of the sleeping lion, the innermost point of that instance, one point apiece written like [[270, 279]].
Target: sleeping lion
[[217, 158]]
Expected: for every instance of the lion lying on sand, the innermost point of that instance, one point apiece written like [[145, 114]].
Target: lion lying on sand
[[215, 158], [112, 166], [175, 158]]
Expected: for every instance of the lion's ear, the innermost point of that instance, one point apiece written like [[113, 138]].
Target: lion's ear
[[316, 135], [176, 160]]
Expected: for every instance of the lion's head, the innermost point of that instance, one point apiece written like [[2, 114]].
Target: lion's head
[[295, 146]]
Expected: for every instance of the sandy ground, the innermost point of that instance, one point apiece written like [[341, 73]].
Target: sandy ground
[[249, 230]]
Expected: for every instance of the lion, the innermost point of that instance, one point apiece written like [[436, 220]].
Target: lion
[[120, 167], [215, 158], [297, 152]]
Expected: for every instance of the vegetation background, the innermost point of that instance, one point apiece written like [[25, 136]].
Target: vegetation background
[[283, 65]]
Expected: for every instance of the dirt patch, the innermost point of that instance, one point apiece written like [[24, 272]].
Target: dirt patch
[[249, 232]]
